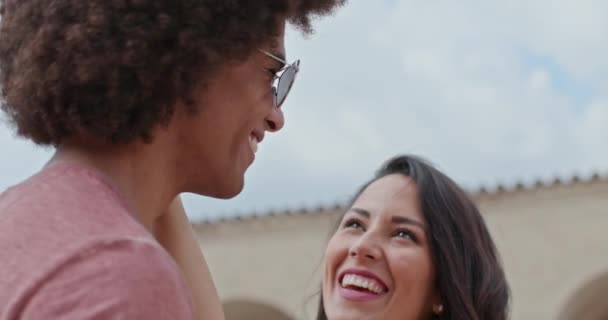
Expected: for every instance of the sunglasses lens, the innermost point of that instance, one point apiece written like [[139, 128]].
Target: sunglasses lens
[[286, 82]]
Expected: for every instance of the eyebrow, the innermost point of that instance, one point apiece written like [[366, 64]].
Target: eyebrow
[[394, 219]]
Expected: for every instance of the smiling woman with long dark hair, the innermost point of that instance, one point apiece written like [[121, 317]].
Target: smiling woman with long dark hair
[[412, 245]]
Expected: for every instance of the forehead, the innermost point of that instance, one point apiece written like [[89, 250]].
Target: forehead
[[391, 195]]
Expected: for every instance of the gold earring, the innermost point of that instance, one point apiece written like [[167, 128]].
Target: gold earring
[[438, 309]]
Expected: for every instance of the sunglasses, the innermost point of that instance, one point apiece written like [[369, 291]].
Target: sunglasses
[[283, 82]]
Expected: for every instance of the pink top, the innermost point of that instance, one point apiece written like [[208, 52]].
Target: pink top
[[71, 249]]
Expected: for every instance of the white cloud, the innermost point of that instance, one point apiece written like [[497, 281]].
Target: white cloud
[[592, 133], [539, 79]]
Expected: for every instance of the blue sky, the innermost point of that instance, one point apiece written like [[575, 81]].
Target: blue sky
[[562, 81], [493, 92]]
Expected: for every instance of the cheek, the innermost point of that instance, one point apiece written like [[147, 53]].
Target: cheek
[[335, 253], [245, 100], [412, 271], [253, 90], [251, 107]]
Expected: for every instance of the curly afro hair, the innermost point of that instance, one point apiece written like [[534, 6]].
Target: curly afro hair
[[113, 69]]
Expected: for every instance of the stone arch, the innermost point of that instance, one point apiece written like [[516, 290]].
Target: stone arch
[[252, 310], [588, 301]]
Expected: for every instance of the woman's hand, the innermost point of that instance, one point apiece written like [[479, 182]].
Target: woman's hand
[[174, 232]]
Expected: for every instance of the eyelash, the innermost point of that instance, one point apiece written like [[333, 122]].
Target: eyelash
[[408, 234], [272, 73], [350, 222]]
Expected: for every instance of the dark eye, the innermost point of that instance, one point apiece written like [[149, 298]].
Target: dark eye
[[405, 234], [353, 223]]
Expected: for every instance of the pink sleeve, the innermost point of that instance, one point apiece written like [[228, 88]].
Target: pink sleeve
[[120, 279]]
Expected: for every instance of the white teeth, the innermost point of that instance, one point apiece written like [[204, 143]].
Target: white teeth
[[362, 282], [253, 143]]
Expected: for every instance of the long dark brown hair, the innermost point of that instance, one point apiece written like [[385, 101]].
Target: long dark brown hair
[[469, 275]]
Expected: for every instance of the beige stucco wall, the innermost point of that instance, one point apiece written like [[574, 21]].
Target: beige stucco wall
[[552, 240], [272, 260]]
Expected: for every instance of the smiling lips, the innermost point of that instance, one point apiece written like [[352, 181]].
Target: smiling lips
[[361, 286], [254, 139], [253, 143]]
